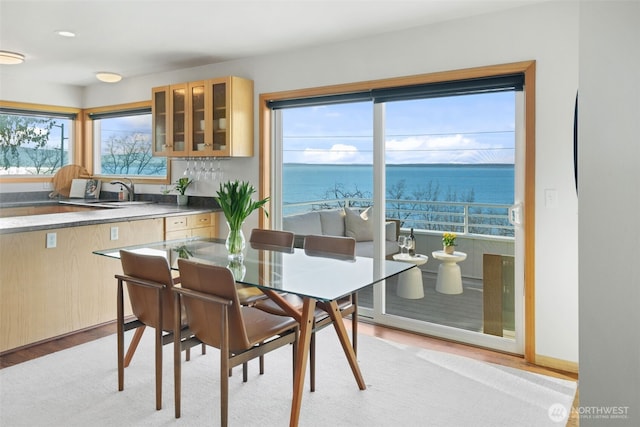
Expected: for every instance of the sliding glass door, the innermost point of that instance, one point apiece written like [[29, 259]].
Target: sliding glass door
[[450, 166], [432, 158]]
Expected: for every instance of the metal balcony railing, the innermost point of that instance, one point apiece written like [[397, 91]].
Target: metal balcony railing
[[459, 217]]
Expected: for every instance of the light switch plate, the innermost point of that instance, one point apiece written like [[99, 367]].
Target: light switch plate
[[114, 233], [51, 240], [550, 198]]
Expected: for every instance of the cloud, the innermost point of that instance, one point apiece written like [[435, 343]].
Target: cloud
[[446, 149], [337, 154]]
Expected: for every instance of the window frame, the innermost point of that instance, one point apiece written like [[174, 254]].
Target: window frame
[[76, 138], [88, 136]]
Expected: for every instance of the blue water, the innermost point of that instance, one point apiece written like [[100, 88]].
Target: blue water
[[485, 183]]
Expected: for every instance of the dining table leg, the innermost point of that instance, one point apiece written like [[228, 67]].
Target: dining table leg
[[306, 329], [306, 319], [341, 331]]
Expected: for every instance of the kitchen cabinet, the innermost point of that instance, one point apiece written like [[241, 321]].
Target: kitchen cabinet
[[47, 292], [186, 226], [169, 113], [207, 118]]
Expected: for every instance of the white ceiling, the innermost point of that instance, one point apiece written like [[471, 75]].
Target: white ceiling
[[141, 37]]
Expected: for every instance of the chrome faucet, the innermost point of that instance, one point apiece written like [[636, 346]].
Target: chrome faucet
[[130, 188]]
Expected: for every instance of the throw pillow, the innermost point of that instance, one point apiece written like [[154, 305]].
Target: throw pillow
[[357, 225]]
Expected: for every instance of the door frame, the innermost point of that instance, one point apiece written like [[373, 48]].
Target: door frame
[[528, 68]]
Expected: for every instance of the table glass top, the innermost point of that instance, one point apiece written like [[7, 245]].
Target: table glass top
[[297, 272]]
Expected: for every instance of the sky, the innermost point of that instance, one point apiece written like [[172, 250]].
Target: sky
[[468, 129]]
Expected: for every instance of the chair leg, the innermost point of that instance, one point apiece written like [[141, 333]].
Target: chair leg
[[134, 345], [158, 368], [177, 358], [354, 323], [262, 365], [245, 372], [294, 356], [224, 367], [120, 335], [204, 349], [312, 362], [224, 388]]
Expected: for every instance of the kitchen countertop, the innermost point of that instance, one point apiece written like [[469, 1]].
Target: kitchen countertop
[[19, 224]]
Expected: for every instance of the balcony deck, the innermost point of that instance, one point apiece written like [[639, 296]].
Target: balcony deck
[[464, 311]]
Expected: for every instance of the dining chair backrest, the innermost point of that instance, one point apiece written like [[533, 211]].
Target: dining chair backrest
[[271, 239], [201, 315], [330, 246], [144, 300]]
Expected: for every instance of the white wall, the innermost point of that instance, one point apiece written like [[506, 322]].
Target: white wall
[[12, 89], [547, 33], [609, 151]]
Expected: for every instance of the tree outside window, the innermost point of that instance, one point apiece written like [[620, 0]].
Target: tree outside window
[[123, 145], [33, 144]]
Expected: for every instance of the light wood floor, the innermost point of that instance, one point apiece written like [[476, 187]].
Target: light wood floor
[[35, 351]]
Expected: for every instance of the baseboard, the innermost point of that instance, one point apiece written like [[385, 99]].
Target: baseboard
[[553, 363]]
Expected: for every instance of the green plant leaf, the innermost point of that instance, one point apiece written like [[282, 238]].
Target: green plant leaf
[[182, 184], [234, 198]]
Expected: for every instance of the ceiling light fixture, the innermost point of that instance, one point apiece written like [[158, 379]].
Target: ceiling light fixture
[[107, 77], [66, 33], [10, 58]]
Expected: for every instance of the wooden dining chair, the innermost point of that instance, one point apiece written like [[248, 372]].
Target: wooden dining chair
[[278, 240], [216, 318], [273, 240], [338, 247], [149, 283]]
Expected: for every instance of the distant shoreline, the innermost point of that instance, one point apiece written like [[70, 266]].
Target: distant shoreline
[[493, 165]]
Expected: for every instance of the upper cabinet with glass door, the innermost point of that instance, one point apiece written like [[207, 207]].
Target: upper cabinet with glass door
[[213, 118], [170, 113]]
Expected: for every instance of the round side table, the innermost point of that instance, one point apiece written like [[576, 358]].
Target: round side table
[[410, 281], [449, 279]]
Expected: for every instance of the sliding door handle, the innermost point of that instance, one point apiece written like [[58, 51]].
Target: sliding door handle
[[515, 215]]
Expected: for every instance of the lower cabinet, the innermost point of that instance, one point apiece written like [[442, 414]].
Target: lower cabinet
[[186, 226], [50, 291]]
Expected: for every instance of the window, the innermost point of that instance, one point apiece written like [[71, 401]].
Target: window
[[123, 144], [449, 158], [35, 143], [327, 156]]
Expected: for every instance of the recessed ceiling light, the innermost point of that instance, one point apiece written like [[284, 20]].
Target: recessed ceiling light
[[10, 58], [107, 77], [66, 33]]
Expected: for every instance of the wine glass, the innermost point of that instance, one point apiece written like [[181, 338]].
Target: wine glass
[[202, 172], [402, 242], [187, 171], [212, 171], [219, 173]]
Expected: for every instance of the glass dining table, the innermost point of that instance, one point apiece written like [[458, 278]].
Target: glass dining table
[[315, 277]]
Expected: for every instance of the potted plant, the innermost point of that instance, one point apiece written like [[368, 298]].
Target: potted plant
[[235, 201], [181, 186], [449, 242]]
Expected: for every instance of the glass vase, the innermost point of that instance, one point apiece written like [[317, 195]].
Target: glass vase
[[238, 269], [235, 243]]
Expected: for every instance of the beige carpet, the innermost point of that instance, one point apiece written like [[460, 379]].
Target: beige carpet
[[405, 387]]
